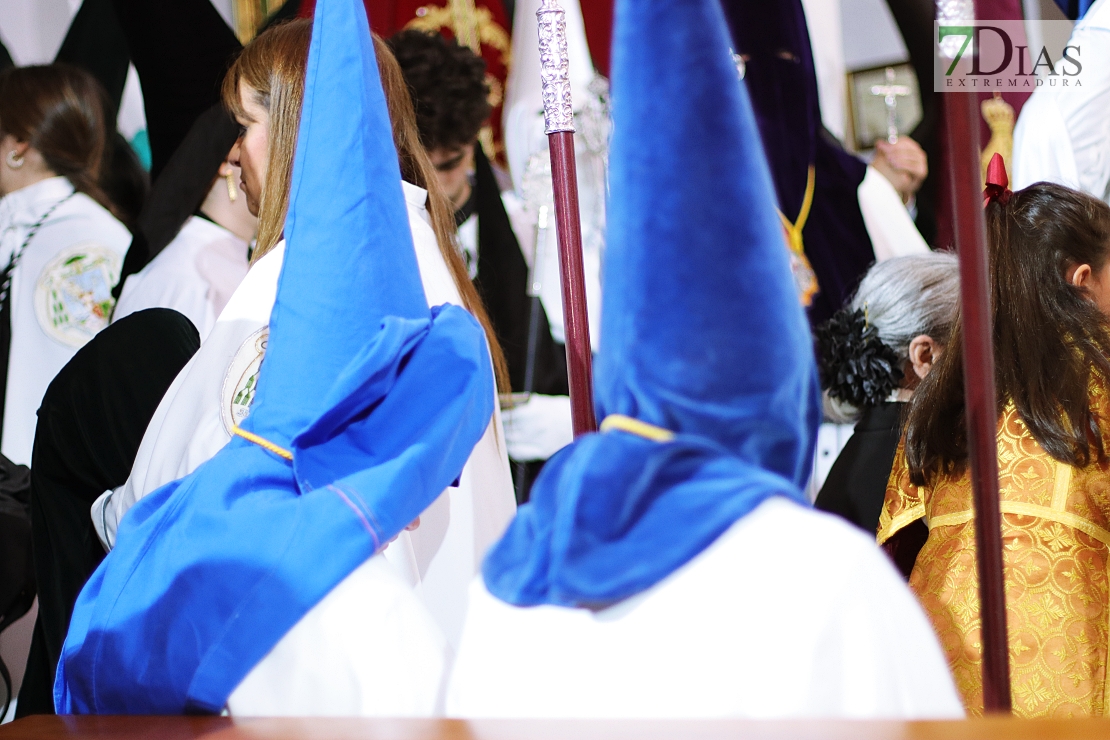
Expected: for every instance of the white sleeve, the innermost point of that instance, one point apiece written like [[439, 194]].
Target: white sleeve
[[1062, 134], [1042, 151], [883, 648], [1086, 110], [892, 231]]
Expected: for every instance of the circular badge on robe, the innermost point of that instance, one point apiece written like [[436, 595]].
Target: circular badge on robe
[[73, 295], [241, 380]]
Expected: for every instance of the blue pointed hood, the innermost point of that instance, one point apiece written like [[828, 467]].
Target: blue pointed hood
[[703, 338], [377, 400], [349, 247]]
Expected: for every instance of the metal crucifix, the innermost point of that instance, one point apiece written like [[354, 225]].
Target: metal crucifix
[[890, 92]]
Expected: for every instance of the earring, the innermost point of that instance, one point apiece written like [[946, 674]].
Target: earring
[[14, 160], [232, 189]]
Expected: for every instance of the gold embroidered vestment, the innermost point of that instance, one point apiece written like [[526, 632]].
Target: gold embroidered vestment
[[1056, 550]]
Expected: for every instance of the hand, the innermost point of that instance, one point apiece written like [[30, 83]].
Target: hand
[[538, 429], [903, 163]]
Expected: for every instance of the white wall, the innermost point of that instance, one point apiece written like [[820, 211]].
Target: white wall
[[827, 39], [871, 37], [33, 30]]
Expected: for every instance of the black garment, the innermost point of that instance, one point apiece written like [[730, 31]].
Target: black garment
[[17, 574], [915, 22], [181, 51], [856, 485], [96, 43], [181, 54], [91, 422], [502, 283], [463, 214]]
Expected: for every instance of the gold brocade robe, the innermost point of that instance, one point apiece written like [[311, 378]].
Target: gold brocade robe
[[1056, 550]]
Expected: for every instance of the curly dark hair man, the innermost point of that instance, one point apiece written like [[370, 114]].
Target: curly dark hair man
[[449, 91]]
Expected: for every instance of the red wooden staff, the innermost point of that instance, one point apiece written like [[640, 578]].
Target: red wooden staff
[[559, 125], [961, 115]]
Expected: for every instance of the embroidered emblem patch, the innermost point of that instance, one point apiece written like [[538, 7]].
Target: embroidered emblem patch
[[241, 380], [73, 295]]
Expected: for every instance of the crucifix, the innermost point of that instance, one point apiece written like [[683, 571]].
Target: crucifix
[[890, 93]]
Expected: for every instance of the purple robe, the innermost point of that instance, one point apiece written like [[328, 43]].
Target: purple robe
[[773, 40]]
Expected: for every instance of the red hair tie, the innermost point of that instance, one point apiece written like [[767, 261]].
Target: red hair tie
[[997, 181]]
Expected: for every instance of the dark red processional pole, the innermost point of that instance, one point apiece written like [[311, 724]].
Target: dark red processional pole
[[559, 124], [961, 115]]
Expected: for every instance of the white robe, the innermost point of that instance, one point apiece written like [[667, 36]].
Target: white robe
[[60, 293], [1063, 133], [790, 613], [370, 648], [193, 422], [196, 274]]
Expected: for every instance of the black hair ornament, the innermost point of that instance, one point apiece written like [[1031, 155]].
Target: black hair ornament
[[855, 365]]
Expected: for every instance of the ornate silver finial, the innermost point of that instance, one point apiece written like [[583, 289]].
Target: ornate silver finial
[[951, 12], [558, 111]]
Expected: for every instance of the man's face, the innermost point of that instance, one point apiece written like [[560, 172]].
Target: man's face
[[453, 167]]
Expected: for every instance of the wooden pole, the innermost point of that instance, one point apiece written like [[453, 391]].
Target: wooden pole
[[961, 111], [559, 126]]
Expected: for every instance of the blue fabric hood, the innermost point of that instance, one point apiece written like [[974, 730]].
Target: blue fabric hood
[[702, 333], [379, 400]]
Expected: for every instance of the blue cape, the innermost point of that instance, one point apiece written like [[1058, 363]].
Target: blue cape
[[379, 400], [702, 333]]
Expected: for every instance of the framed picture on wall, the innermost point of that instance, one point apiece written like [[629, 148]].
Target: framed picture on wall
[[868, 91]]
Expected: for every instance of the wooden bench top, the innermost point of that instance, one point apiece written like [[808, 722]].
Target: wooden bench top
[[220, 728]]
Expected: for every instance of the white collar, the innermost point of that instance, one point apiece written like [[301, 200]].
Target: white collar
[[25, 206], [42, 194], [414, 195], [209, 230]]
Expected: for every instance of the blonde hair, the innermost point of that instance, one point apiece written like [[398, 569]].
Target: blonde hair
[[273, 67]]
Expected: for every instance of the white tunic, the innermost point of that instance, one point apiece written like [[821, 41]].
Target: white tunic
[[196, 274], [60, 293], [212, 394], [1063, 133], [790, 613]]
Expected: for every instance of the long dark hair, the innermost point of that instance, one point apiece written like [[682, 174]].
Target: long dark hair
[[60, 111], [1049, 336]]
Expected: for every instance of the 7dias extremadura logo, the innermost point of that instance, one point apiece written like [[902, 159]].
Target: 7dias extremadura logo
[[1004, 56]]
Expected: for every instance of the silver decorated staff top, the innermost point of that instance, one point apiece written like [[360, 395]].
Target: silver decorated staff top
[[558, 110]]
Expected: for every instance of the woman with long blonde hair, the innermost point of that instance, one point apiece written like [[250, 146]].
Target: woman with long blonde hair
[[264, 89], [272, 70]]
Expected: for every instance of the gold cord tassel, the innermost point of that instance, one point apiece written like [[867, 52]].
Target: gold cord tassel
[[805, 280]]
